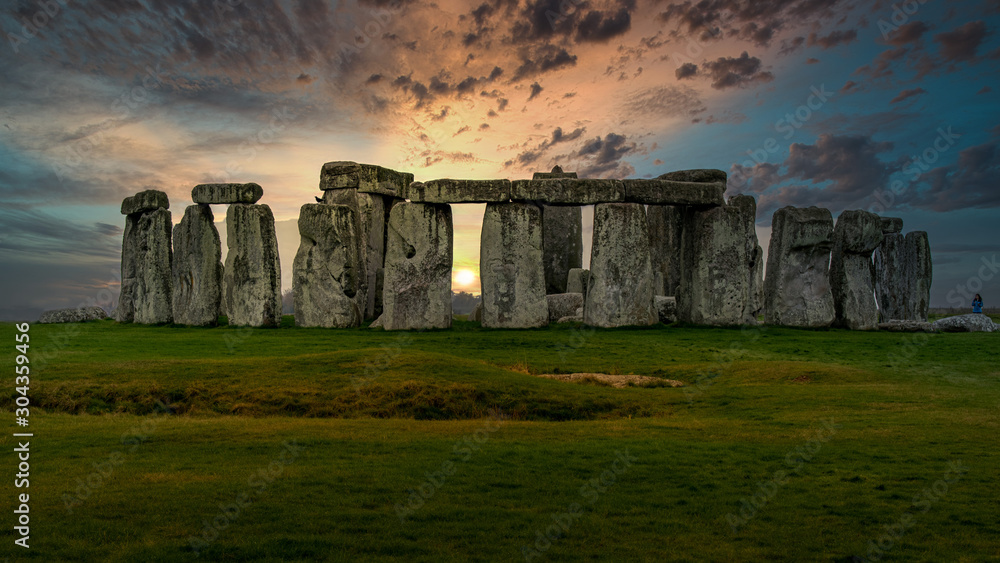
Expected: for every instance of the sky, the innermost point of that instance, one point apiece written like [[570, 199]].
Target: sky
[[889, 107]]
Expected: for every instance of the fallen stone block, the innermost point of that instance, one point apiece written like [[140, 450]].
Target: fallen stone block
[[77, 315]]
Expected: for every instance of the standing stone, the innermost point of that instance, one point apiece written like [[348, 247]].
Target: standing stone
[[510, 267], [891, 285], [151, 296], [755, 300], [666, 308], [125, 311], [327, 268], [252, 276], [563, 305], [797, 287], [621, 277], [372, 220], [562, 240], [919, 273], [665, 228], [715, 285], [577, 281], [855, 237], [197, 268], [417, 293]]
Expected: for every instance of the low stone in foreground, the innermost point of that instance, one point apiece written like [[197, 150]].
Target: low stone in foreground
[[973, 322], [77, 315], [563, 305]]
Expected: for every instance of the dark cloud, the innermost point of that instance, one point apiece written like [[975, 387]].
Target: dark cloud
[[961, 44], [812, 61], [739, 72], [603, 26], [554, 19], [969, 183], [789, 46], [536, 89], [908, 33], [532, 155], [603, 157], [544, 59], [905, 94], [833, 39], [884, 63], [686, 70]]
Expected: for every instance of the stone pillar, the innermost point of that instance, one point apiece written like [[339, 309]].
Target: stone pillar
[[919, 273], [562, 237], [577, 281], [417, 292], [252, 276], [621, 288], [891, 286], [665, 228], [715, 281], [856, 235], [755, 298], [197, 268], [327, 268], [146, 295], [797, 287], [511, 267]]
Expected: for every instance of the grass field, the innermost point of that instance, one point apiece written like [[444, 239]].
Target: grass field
[[184, 444]]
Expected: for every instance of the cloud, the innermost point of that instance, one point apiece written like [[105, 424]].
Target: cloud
[[546, 58], [961, 43], [905, 94], [603, 157], [968, 183], [908, 33], [686, 70], [739, 72], [664, 101], [833, 39], [536, 89]]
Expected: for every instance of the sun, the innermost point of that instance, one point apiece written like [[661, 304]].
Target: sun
[[465, 278]]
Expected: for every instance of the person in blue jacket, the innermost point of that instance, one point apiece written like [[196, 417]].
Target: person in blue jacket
[[977, 304]]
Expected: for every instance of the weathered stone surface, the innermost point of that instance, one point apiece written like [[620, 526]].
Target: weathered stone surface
[[715, 280], [621, 277], [197, 268], [891, 285], [755, 297], [892, 225], [973, 322], [77, 315], [378, 323], [252, 276], [666, 223], [327, 267], [557, 172], [562, 244], [570, 319], [564, 305], [418, 259], [707, 175], [666, 309], [907, 326], [919, 273], [371, 221], [149, 200], [227, 193], [459, 191], [477, 313], [510, 267], [852, 283], [568, 191], [669, 192], [797, 287], [151, 293], [577, 281], [125, 311], [364, 177]]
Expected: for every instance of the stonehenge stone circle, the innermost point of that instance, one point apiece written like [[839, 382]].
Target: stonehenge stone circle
[[621, 285], [227, 193], [855, 237], [252, 276], [510, 265], [797, 285], [891, 285], [563, 305], [919, 272], [715, 280], [197, 268], [666, 224], [577, 281], [562, 244], [417, 286], [327, 268]]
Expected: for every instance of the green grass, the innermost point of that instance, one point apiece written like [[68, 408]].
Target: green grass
[[904, 405]]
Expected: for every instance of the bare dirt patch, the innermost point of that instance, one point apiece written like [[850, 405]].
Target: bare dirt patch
[[617, 381]]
